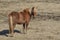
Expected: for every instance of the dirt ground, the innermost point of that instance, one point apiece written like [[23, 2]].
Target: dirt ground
[[40, 28]]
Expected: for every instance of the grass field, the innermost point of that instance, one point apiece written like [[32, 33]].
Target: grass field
[[46, 26]]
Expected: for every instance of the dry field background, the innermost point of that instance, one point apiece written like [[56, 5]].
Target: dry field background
[[46, 26]]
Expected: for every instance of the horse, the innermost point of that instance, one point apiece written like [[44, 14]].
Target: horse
[[33, 12], [19, 18]]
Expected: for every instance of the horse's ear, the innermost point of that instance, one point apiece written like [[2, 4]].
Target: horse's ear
[[24, 10], [33, 7]]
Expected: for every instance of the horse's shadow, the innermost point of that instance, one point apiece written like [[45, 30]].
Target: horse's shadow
[[5, 32]]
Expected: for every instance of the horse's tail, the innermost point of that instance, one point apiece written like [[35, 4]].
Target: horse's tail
[[10, 23]]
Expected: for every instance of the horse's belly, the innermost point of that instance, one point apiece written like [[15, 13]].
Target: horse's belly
[[20, 22]]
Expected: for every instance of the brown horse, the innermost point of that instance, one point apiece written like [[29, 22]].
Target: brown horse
[[19, 18], [33, 12]]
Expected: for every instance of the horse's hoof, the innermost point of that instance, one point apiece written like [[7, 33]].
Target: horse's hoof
[[10, 35]]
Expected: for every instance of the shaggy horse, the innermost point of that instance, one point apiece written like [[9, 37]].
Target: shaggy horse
[[19, 18]]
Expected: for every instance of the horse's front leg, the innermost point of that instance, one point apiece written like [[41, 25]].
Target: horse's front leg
[[24, 28]]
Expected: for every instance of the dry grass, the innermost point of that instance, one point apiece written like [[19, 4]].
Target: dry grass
[[46, 26]]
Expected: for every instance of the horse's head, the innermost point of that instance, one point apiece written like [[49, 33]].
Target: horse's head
[[33, 12]]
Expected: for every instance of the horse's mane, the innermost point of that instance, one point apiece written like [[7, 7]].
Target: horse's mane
[[26, 11]]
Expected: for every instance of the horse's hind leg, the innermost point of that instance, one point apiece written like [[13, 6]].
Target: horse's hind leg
[[11, 26], [12, 30]]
